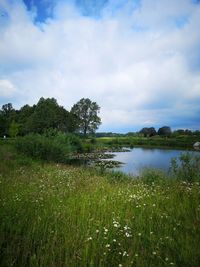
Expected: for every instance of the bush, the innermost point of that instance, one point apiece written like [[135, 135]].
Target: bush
[[37, 146], [86, 147], [186, 167]]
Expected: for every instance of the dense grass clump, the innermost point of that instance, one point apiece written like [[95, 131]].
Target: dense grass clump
[[53, 215], [51, 147], [186, 167]]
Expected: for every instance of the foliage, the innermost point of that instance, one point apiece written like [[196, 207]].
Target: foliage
[[186, 167], [7, 116], [51, 148], [13, 129], [165, 131], [44, 115], [86, 113], [48, 114], [148, 132]]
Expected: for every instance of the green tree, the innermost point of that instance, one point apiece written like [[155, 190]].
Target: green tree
[[165, 131], [48, 114], [2, 125], [148, 132], [86, 112], [7, 115], [13, 129]]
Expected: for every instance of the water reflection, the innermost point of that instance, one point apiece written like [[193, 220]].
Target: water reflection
[[139, 158]]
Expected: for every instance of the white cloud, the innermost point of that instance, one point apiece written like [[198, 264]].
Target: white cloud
[[134, 75], [7, 89]]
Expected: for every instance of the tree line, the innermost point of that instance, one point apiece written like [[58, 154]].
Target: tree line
[[83, 118], [48, 114]]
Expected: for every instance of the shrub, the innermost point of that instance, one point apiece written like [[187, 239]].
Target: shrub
[[44, 148], [186, 167]]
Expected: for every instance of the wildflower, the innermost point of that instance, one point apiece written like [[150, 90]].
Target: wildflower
[[154, 253], [97, 231], [128, 235], [124, 253], [126, 227], [107, 245], [89, 238], [139, 234], [120, 265], [166, 259]]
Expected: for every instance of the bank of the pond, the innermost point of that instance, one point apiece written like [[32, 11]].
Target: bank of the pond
[[159, 142]]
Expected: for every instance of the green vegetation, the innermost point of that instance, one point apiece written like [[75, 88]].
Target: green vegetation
[[57, 215], [46, 115], [86, 113], [154, 141]]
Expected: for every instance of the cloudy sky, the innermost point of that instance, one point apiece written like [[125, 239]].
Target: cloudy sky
[[138, 59]]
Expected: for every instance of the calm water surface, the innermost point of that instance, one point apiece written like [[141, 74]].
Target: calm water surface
[[139, 158]]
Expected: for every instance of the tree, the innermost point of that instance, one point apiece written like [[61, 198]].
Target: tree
[[7, 115], [48, 114], [86, 114], [7, 109], [148, 132], [165, 131], [13, 129], [2, 125]]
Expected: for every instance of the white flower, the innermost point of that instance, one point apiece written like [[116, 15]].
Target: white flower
[[124, 253], [128, 235]]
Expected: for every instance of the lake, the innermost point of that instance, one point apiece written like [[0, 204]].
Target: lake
[[139, 158]]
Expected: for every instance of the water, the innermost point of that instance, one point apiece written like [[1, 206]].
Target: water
[[139, 158]]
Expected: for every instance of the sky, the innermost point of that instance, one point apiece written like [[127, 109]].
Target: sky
[[138, 59]]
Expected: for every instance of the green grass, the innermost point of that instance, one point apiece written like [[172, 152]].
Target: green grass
[[185, 142], [53, 215]]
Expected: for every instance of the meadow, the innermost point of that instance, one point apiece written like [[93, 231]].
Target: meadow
[[54, 215], [181, 141]]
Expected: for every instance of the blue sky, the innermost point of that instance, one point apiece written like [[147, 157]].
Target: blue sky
[[138, 59]]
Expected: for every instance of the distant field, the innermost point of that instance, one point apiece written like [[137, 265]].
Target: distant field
[[156, 141]]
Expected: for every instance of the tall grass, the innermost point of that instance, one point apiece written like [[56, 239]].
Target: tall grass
[[54, 215]]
